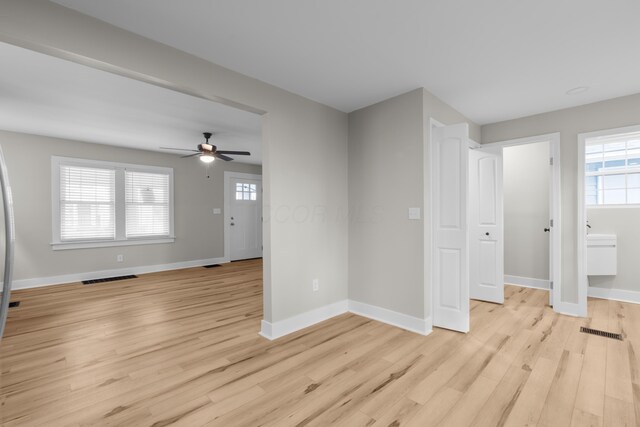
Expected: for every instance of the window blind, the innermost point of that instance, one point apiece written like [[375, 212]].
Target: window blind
[[147, 204], [87, 203]]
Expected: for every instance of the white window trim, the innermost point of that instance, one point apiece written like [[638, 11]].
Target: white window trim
[[120, 239]]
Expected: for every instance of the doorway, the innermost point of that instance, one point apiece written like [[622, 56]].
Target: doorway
[[527, 215], [466, 241], [531, 209], [608, 189], [243, 215]]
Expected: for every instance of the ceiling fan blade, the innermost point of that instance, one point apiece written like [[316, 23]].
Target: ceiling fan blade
[[237, 153], [179, 149], [190, 155], [222, 156]]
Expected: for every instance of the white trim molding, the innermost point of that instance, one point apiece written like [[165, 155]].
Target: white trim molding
[[390, 317], [555, 213], [615, 294], [109, 243], [584, 289], [569, 309], [78, 277], [526, 282], [280, 328]]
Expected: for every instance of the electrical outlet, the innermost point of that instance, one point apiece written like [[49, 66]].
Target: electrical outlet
[[120, 258], [316, 286]]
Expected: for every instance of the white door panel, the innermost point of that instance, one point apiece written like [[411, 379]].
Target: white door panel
[[245, 218], [486, 256], [450, 275]]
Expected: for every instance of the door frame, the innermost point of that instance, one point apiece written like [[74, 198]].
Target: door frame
[[556, 212], [228, 175], [581, 217]]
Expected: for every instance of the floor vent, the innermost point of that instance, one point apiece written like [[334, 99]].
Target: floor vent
[[14, 304], [108, 279], [601, 333], [211, 265]]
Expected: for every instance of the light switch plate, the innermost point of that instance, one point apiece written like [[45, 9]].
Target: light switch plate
[[217, 211], [414, 213]]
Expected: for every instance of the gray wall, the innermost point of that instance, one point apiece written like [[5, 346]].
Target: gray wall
[[526, 210], [625, 223], [304, 143], [29, 163], [570, 122], [386, 176]]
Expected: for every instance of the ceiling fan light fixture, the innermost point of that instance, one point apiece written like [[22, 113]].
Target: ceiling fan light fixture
[[207, 158]]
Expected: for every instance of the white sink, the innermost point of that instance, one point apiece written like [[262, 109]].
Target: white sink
[[602, 254]]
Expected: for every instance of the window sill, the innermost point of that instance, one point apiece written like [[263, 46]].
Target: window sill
[[60, 246], [629, 206]]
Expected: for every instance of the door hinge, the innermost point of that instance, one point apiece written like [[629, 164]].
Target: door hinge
[[551, 222], [551, 161], [551, 284]]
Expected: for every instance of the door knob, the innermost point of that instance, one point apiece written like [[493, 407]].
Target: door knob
[[486, 234], [546, 230], [233, 223]]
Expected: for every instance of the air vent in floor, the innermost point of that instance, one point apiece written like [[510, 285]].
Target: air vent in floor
[[601, 333], [108, 279], [14, 304], [211, 265]]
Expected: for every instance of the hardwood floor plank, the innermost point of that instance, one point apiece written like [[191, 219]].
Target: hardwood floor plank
[[618, 413], [558, 408], [528, 406], [181, 348]]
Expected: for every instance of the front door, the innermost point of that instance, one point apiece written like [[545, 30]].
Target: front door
[[245, 218]]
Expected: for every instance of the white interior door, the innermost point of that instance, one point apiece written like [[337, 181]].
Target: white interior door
[[486, 242], [450, 257], [244, 218]]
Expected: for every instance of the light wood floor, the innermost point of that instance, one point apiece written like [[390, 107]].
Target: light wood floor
[[181, 348]]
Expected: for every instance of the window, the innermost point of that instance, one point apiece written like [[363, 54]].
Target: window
[[87, 203], [147, 199], [612, 170], [107, 204], [245, 191]]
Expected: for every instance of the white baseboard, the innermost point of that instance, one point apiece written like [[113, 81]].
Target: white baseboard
[[526, 282], [569, 309], [614, 294], [272, 331], [404, 321], [278, 329], [77, 277]]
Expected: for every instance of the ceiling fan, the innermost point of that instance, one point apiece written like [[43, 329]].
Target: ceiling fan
[[208, 152]]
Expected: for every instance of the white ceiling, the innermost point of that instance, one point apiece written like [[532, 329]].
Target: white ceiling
[[492, 59], [43, 95]]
